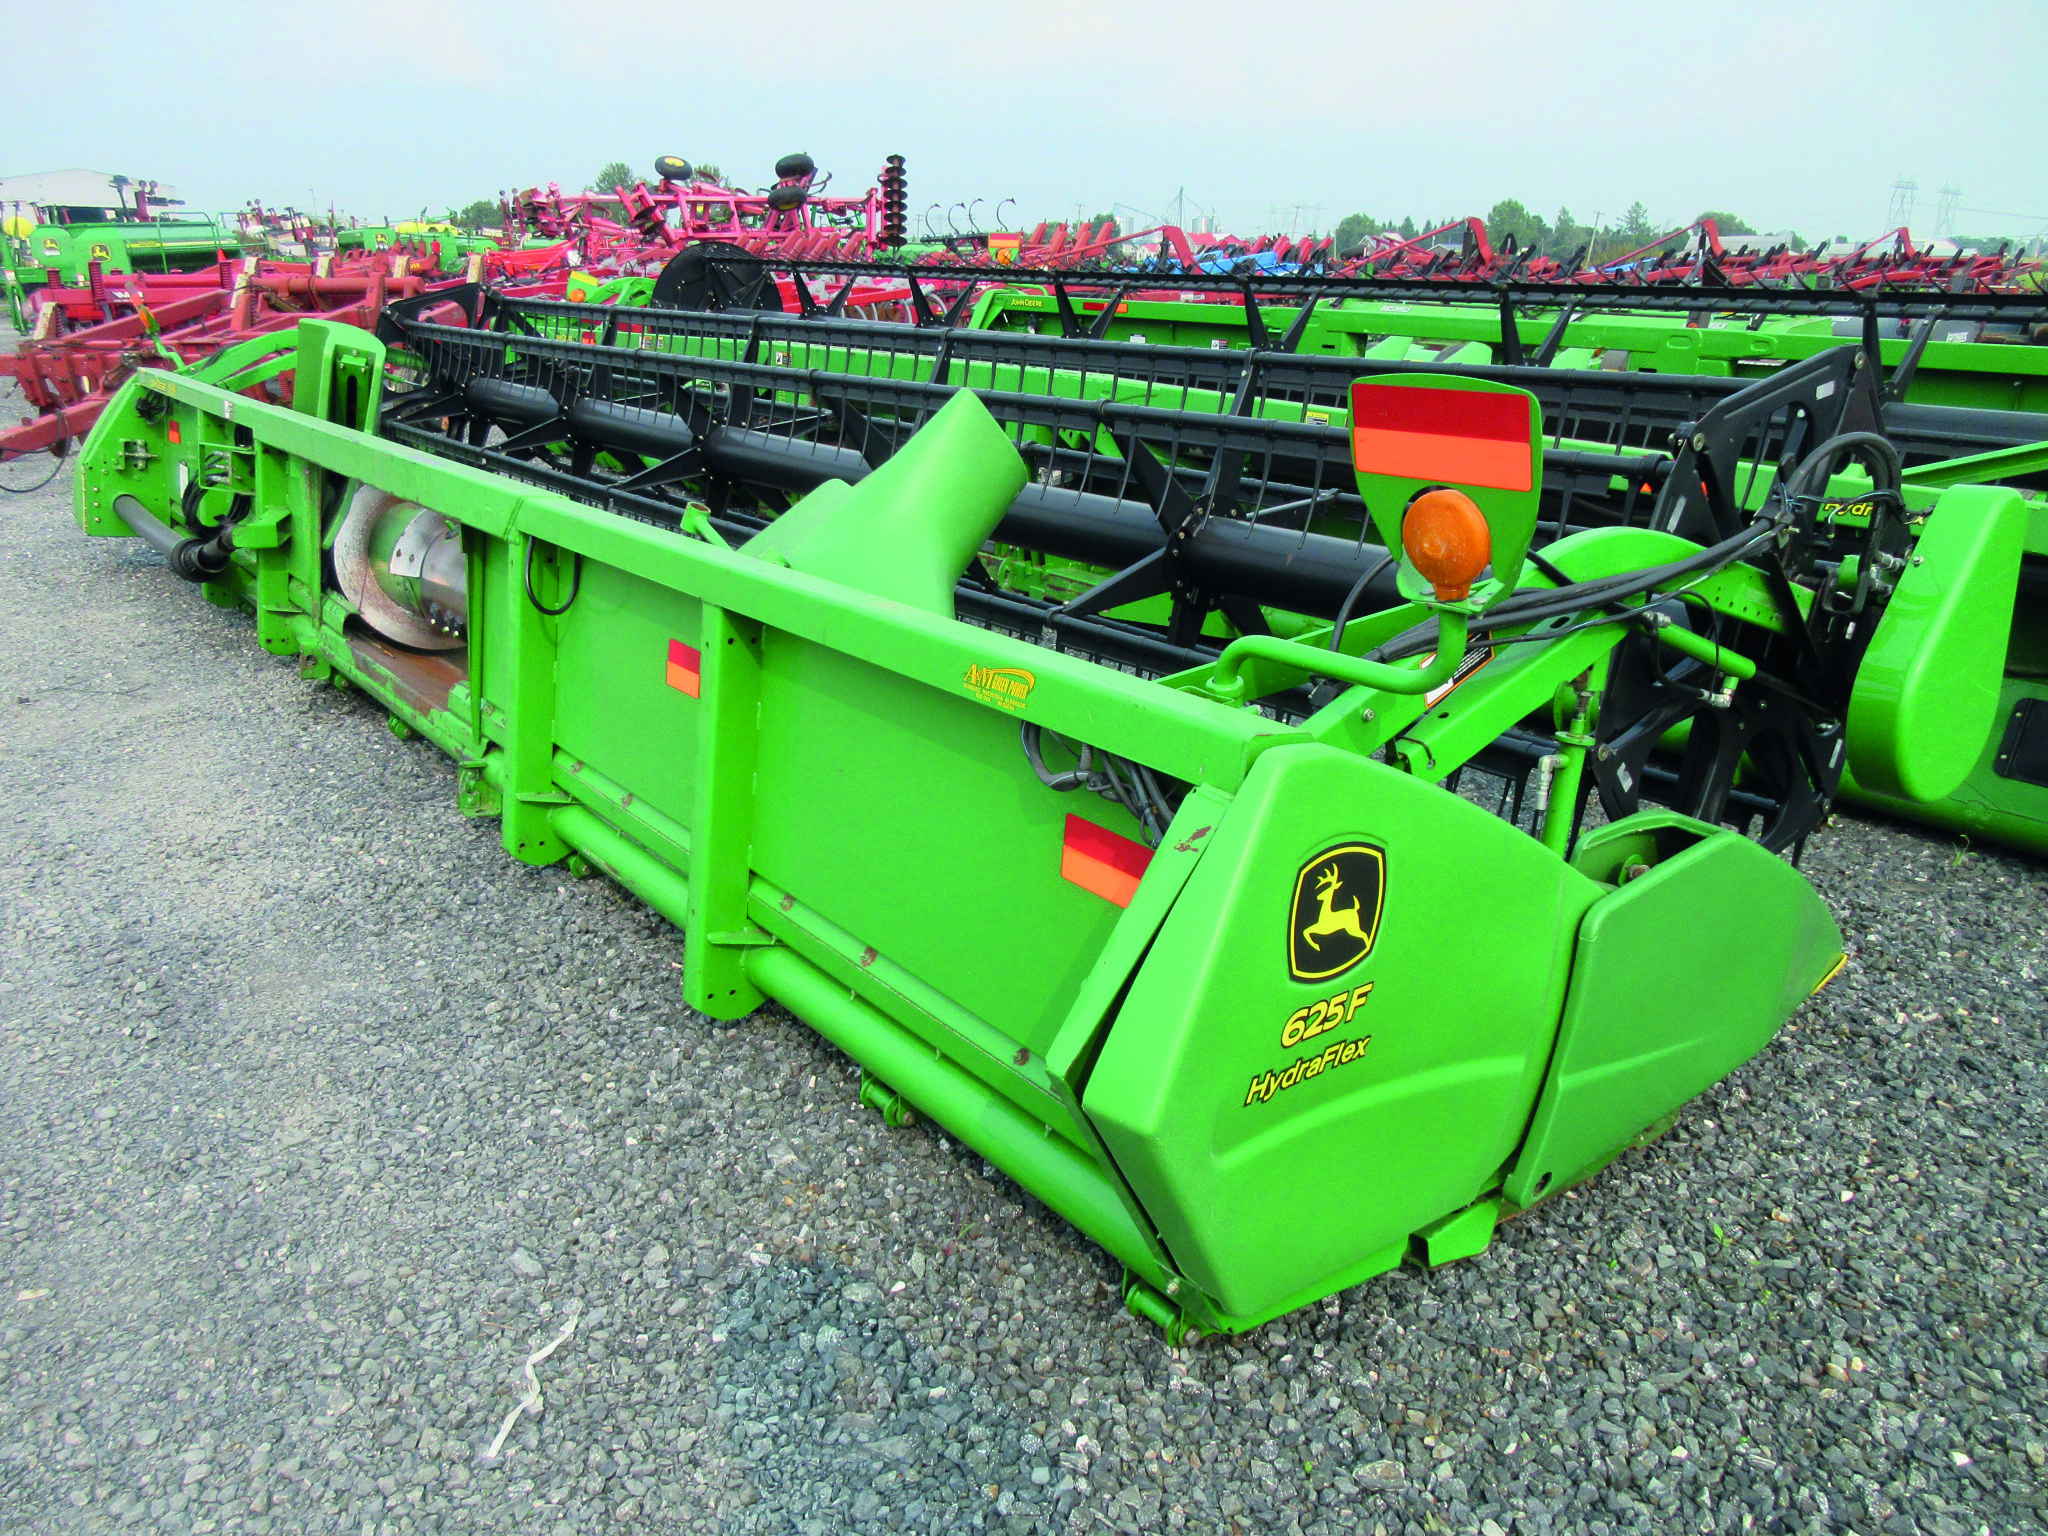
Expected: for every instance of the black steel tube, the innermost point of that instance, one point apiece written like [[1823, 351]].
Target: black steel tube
[[509, 404], [1080, 525], [1953, 431], [785, 463], [637, 429], [1306, 573]]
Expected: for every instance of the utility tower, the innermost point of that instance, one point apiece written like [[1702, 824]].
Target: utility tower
[[1945, 207], [1904, 194]]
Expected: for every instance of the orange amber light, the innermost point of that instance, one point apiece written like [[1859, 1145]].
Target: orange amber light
[[1445, 536]]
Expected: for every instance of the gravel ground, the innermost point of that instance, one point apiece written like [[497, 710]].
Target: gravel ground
[[317, 1114]]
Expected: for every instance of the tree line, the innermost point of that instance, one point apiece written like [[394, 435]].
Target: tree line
[[1561, 237]]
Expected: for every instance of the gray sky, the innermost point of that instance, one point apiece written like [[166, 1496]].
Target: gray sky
[[1794, 113]]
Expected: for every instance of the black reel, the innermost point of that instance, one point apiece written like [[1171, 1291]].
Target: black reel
[[715, 275]]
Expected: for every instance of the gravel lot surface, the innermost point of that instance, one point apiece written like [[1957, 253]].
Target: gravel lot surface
[[318, 1114]]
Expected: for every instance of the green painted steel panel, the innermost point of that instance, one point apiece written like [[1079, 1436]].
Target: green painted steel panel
[[615, 707], [1260, 1193], [910, 817], [1927, 692], [1678, 977], [1996, 801]]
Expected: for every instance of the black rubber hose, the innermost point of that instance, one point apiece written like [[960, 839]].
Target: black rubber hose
[[1811, 477], [1536, 606], [575, 584], [58, 451], [1072, 778], [1351, 601], [193, 498], [1532, 606], [27, 490], [193, 559], [160, 537]]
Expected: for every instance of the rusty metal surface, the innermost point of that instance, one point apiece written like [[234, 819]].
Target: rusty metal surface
[[422, 679]]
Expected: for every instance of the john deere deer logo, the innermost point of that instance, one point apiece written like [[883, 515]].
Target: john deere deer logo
[[1336, 914], [1332, 919]]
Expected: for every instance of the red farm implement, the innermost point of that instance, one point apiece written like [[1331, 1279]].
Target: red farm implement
[[635, 230], [84, 342], [643, 222], [1697, 255], [1694, 256]]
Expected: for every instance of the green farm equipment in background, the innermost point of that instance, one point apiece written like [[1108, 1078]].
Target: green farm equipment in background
[[1392, 881], [132, 245], [421, 235], [1932, 357], [1959, 362], [1937, 346]]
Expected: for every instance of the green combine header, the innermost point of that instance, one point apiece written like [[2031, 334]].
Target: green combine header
[[1317, 890]]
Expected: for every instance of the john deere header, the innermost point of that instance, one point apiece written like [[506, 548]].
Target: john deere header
[[1231, 952]]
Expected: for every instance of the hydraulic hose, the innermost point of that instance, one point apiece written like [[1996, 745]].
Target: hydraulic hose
[[1811, 477], [1549, 603], [193, 559]]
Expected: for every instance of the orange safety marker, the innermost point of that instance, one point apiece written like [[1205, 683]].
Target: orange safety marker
[[685, 668], [1464, 437], [1101, 861]]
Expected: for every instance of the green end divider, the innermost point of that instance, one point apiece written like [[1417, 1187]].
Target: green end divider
[[1928, 693]]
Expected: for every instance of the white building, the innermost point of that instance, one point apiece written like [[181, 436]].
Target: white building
[[80, 195]]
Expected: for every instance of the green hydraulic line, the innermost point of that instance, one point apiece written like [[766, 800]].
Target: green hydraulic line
[[1227, 683], [624, 860], [1560, 795], [1699, 648], [1050, 1167]]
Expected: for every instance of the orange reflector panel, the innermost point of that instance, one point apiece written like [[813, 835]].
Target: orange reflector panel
[[1465, 437], [1098, 860], [685, 667], [173, 433]]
